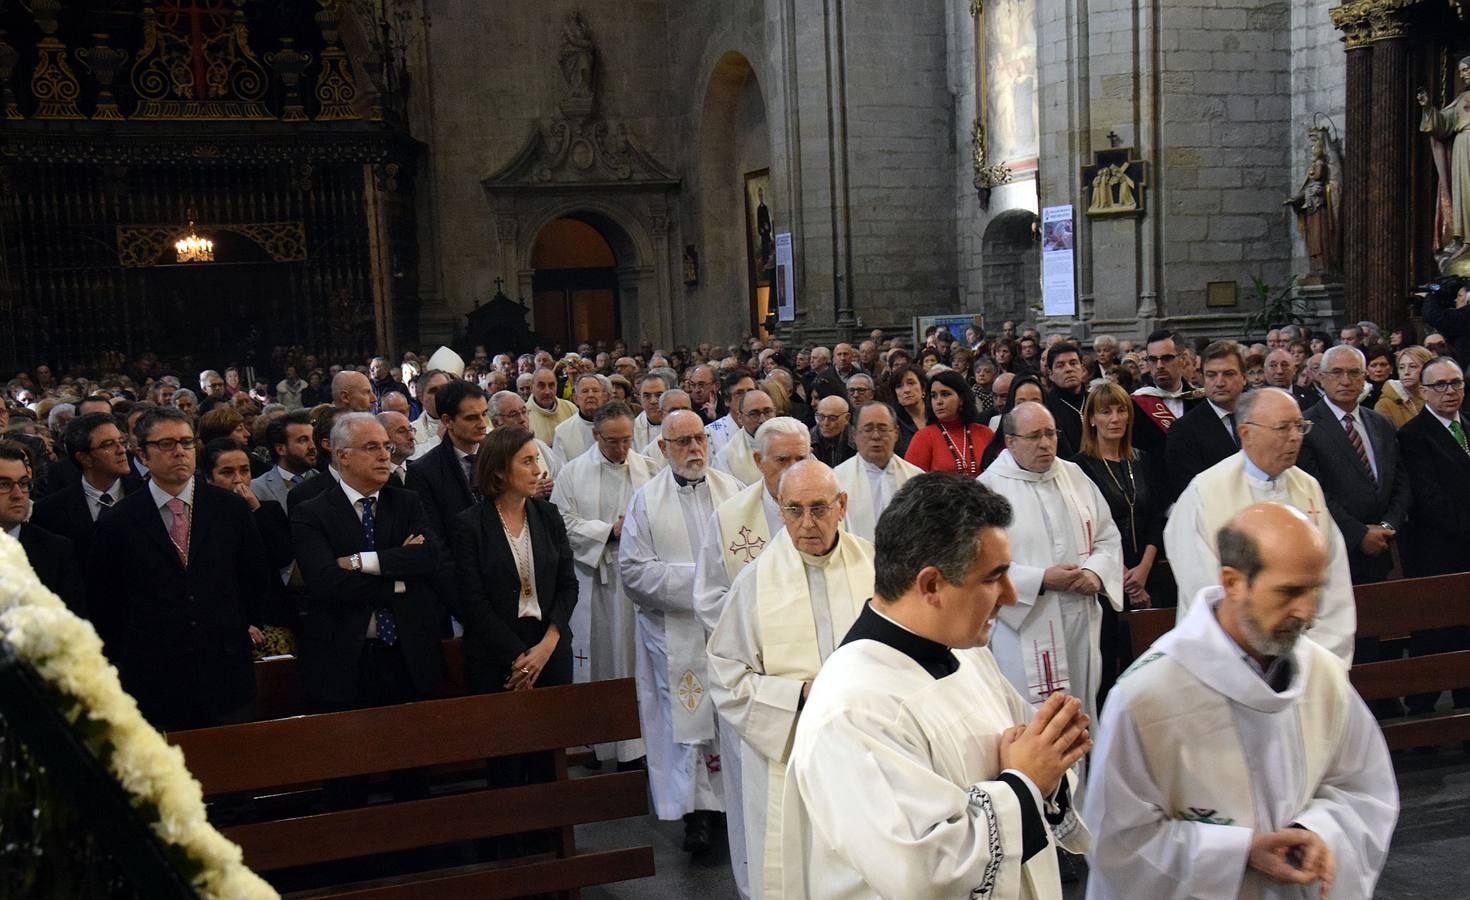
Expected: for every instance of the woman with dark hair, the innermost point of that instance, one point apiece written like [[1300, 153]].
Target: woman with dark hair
[[1007, 354], [905, 389], [1380, 370], [1133, 489], [514, 566], [954, 440], [982, 385], [1024, 389], [928, 359], [226, 422], [224, 463]]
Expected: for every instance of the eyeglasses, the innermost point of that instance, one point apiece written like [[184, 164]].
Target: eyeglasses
[[9, 484], [372, 448], [876, 429], [1165, 359], [690, 440], [1439, 387], [765, 413], [1344, 373], [169, 445], [795, 512], [821, 417], [1046, 434], [1301, 427], [109, 445]]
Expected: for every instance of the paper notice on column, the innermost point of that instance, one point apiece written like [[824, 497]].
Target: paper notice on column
[[785, 280], [1058, 285]]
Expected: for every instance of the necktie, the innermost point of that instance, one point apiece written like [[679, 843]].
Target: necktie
[[104, 499], [1357, 441], [295, 480], [469, 474], [1459, 434], [1230, 427], [387, 625], [178, 532]]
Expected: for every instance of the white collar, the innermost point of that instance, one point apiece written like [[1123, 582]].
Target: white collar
[[353, 495], [115, 490], [1255, 471], [287, 476], [1338, 412], [161, 496], [1447, 423], [872, 469], [1220, 411]]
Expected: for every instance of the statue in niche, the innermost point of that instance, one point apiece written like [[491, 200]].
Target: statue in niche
[[578, 57], [1317, 203], [1449, 129]]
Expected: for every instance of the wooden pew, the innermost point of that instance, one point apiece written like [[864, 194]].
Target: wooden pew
[[1390, 609], [261, 757]]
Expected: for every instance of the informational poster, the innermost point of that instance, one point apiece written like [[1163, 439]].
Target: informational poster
[[785, 281], [1058, 284]]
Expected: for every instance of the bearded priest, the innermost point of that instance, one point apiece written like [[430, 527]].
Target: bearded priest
[[1235, 759], [918, 770]]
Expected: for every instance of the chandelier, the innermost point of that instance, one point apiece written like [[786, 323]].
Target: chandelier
[[192, 248]]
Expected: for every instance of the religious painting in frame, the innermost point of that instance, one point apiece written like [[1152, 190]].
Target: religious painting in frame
[[1009, 83], [760, 238]]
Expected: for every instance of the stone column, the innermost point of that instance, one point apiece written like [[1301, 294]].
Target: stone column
[[1388, 175], [1355, 176]]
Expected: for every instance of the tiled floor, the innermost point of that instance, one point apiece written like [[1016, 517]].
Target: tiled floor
[[1430, 848]]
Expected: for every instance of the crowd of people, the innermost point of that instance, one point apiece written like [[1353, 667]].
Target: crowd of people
[[705, 519]]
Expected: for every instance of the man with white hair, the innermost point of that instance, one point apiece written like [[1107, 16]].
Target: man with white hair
[[523, 386], [785, 615], [574, 436], [592, 494], [656, 563], [750, 411], [1271, 429], [872, 477], [1067, 556], [509, 410]]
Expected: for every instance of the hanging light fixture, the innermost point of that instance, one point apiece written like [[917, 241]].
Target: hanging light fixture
[[192, 248]]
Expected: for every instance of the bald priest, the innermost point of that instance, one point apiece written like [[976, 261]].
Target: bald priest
[[917, 770]]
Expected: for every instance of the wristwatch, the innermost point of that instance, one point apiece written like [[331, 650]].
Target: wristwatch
[[1388, 526], [356, 560]]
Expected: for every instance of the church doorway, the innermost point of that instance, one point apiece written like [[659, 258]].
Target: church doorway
[[1011, 267], [575, 285]]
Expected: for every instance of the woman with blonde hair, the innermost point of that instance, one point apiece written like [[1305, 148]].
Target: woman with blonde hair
[[1133, 487], [779, 398], [1402, 397]]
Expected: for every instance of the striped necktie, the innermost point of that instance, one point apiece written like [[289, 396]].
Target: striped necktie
[[1357, 442]]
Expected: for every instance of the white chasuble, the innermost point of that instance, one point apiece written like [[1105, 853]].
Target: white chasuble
[[785, 614], [1049, 641], [644, 431], [656, 562], [1197, 752], [869, 489], [544, 421], [740, 529], [1215, 496], [894, 787], [573, 437], [654, 453], [736, 458]]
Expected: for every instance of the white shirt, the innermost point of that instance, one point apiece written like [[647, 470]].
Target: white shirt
[[289, 478], [1360, 425], [94, 504], [1447, 423], [368, 558], [161, 497], [1222, 413]]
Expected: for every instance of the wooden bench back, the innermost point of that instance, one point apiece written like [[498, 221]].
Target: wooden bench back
[[260, 757]]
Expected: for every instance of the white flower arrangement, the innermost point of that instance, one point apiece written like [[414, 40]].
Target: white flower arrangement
[[66, 653]]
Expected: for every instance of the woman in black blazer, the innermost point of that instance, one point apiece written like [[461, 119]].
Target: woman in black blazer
[[517, 586]]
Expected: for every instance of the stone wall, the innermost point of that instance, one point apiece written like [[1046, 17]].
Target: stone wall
[[1318, 85]]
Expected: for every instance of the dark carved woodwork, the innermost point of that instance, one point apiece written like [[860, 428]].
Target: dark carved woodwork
[[1357, 155], [1388, 207]]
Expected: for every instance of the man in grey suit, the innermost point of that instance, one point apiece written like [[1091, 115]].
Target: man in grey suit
[[290, 439], [1353, 452]]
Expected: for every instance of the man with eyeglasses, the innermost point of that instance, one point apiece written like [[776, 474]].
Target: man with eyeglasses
[[786, 613], [872, 477], [1271, 428], [573, 437], [860, 389], [752, 409], [1067, 555], [592, 494], [173, 577], [703, 394], [1353, 454], [100, 450], [832, 440], [1168, 398], [724, 429], [656, 561], [51, 555], [1436, 448], [671, 401]]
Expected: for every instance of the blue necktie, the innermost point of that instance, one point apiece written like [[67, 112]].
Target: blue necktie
[[295, 480], [387, 626]]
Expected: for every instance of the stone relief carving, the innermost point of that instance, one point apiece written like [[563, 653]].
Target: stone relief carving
[[578, 58], [1115, 183]]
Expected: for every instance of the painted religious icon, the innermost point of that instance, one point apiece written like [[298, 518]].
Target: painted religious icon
[[761, 234], [1010, 57]]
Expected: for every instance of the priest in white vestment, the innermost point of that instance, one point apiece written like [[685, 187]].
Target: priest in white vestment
[[671, 401], [872, 477], [1234, 758], [740, 528], [574, 436], [649, 424], [426, 426], [507, 409], [1068, 558], [592, 495], [721, 430], [546, 408], [665, 524], [1271, 427], [785, 614], [918, 770], [737, 458]]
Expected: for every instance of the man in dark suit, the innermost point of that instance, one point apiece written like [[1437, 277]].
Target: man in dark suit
[[371, 565], [1353, 453], [98, 448], [1160, 405], [1065, 394], [176, 575], [1206, 435], [50, 555], [1436, 448], [444, 476]]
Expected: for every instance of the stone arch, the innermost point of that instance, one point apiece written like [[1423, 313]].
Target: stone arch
[[733, 138], [1010, 267]]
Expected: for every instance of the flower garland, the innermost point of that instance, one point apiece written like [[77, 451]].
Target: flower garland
[[66, 653]]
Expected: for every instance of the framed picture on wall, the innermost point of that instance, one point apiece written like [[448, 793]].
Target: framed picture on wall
[[760, 233]]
